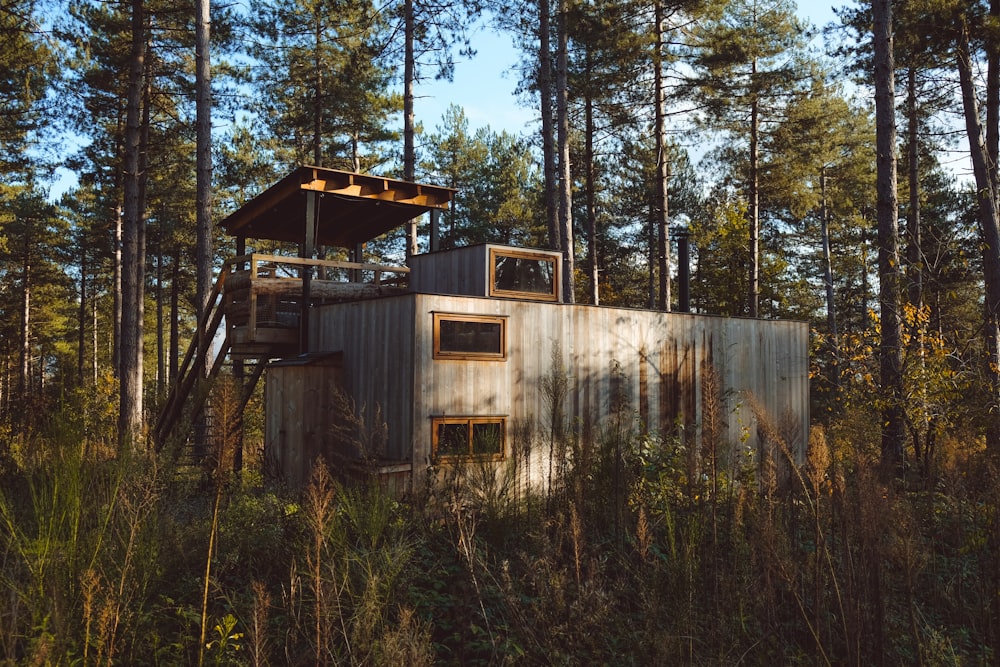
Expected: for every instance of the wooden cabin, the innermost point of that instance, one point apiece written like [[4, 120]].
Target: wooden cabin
[[472, 353]]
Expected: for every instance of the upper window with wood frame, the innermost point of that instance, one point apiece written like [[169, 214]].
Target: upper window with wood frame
[[459, 336], [524, 275]]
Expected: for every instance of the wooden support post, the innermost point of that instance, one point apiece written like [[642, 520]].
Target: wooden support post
[[411, 239], [239, 376], [357, 256], [308, 249], [435, 243]]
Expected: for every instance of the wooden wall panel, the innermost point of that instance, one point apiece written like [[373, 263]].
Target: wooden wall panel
[[376, 337], [455, 271], [301, 409], [654, 363]]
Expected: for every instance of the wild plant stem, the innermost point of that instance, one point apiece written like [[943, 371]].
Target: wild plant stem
[[208, 574]]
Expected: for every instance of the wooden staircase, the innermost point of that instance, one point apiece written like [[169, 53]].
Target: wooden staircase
[[263, 300], [187, 404]]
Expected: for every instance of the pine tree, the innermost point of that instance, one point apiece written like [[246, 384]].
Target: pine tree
[[497, 184], [28, 67], [37, 296], [820, 170], [890, 350], [323, 83], [747, 64]]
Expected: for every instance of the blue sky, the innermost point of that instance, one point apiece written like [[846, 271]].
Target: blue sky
[[484, 86]]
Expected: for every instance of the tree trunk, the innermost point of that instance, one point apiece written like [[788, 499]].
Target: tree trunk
[[409, 83], [831, 308], [662, 168], [94, 340], [992, 47], [116, 351], [595, 292], [914, 255], [565, 175], [130, 388], [548, 129], [890, 352], [409, 120], [317, 138], [915, 283], [651, 227], [203, 122], [81, 337], [173, 356], [161, 348], [24, 376], [989, 222], [754, 205]]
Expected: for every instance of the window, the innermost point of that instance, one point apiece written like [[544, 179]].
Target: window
[[467, 437], [526, 275], [470, 336]]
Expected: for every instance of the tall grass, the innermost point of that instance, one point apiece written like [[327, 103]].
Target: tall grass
[[640, 548]]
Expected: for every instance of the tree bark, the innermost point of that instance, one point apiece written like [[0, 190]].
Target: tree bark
[[409, 120], [915, 283], [662, 168], [548, 128], [592, 263], [130, 387], [203, 122], [565, 171], [890, 352], [754, 204], [989, 223]]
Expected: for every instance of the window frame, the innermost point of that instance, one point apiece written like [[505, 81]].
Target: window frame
[[469, 422], [475, 356], [519, 294]]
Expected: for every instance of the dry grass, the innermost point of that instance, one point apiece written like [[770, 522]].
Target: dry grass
[[638, 550]]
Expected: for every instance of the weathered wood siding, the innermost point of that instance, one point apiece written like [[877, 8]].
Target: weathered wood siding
[[466, 271], [301, 408], [377, 339], [648, 363], [455, 271]]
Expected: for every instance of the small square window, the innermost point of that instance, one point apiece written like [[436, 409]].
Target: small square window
[[524, 275], [469, 337], [468, 437]]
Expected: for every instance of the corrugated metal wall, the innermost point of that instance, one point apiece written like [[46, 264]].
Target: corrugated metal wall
[[301, 400], [455, 271], [376, 337], [648, 363]]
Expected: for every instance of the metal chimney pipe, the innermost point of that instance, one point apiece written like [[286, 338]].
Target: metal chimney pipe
[[683, 270]]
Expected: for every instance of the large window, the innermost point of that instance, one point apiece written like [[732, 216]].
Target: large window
[[470, 336], [468, 437], [522, 274]]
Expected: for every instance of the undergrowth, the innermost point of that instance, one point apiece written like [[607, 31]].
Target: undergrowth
[[635, 549]]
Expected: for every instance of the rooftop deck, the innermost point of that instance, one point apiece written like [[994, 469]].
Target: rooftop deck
[[264, 295]]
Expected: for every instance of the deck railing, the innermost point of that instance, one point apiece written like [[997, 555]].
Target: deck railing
[[264, 293]]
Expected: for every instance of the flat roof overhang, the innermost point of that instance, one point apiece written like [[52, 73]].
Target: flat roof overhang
[[350, 208]]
